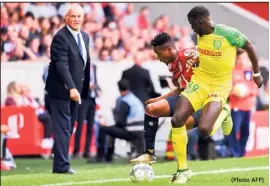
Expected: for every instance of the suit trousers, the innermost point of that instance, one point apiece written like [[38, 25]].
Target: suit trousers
[[63, 115], [86, 111]]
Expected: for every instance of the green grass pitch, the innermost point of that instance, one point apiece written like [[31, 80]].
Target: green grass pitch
[[37, 172]]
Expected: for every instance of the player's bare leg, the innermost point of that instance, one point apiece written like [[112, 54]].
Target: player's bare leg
[[152, 112], [224, 120], [207, 123], [183, 110]]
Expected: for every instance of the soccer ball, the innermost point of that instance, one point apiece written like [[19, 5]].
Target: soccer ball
[[142, 172]]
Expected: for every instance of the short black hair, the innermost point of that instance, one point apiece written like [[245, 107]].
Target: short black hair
[[161, 39], [198, 11], [123, 85], [29, 14]]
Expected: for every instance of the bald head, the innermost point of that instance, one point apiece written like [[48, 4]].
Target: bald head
[[74, 16]]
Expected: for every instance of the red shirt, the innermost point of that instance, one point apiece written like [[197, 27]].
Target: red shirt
[[181, 77]]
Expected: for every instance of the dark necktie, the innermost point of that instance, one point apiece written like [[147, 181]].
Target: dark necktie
[[80, 45]]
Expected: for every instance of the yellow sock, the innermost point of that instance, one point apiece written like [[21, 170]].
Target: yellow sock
[[151, 150], [179, 141], [219, 121]]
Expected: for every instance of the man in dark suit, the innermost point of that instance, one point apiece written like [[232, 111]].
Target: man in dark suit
[[67, 82], [140, 81], [87, 110]]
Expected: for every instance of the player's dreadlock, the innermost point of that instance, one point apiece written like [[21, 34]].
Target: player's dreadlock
[[198, 11], [161, 39]]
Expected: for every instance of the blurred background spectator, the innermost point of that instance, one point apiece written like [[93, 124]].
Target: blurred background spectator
[[243, 102], [140, 81], [14, 96], [42, 114], [128, 116]]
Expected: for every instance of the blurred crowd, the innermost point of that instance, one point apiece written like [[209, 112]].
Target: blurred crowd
[[117, 32]]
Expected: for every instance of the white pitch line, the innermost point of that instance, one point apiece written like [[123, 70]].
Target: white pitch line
[[162, 176]]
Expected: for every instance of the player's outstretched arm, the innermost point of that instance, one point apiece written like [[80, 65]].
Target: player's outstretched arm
[[252, 54], [173, 92]]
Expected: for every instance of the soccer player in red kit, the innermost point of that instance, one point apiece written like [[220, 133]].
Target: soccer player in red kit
[[180, 64]]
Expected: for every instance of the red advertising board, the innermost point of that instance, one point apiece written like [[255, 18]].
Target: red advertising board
[[26, 132], [258, 141], [261, 9]]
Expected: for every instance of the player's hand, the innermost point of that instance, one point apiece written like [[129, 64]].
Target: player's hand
[[75, 95], [193, 59], [153, 100], [258, 80]]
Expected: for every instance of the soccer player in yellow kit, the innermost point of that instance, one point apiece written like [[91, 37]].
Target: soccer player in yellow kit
[[211, 82]]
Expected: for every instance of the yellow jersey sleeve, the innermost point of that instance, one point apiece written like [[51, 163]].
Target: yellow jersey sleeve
[[233, 36]]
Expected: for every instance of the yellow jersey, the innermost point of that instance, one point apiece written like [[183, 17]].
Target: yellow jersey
[[217, 55]]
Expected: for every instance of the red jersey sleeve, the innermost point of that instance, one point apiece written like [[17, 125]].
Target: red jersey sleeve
[[184, 76]]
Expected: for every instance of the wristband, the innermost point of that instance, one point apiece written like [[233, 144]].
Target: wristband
[[257, 74]]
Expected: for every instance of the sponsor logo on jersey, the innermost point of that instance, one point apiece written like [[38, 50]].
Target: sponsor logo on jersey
[[217, 44], [209, 52]]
